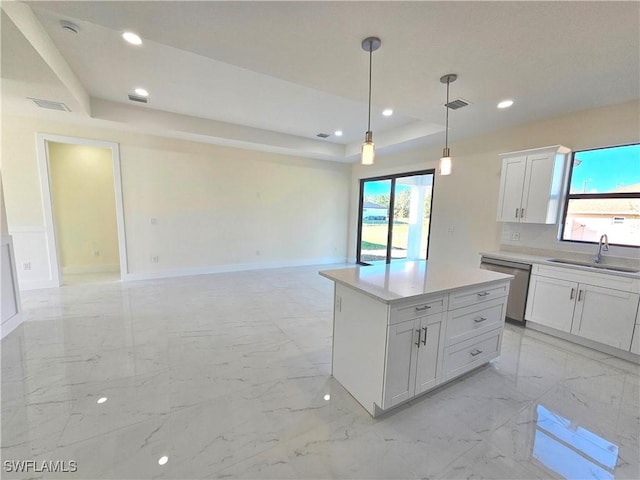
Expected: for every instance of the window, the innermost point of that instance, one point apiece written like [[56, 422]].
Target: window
[[395, 213], [604, 196]]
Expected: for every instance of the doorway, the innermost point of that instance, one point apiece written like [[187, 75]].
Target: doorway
[[395, 217], [83, 209]]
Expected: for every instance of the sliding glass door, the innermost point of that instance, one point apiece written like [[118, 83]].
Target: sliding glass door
[[394, 217]]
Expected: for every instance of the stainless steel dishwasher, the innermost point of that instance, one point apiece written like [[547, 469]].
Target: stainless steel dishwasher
[[519, 285]]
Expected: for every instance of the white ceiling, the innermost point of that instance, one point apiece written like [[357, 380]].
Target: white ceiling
[[271, 75]]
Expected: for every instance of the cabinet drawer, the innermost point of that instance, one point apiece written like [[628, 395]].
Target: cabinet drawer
[[465, 356], [469, 322], [476, 295], [431, 306]]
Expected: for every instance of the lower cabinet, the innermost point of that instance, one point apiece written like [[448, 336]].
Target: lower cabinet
[[551, 302], [584, 305], [605, 315], [464, 356], [385, 354], [412, 358]]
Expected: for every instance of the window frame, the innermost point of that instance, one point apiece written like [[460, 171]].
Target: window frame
[[590, 196], [393, 177]]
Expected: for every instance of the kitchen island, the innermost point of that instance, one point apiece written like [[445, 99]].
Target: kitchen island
[[402, 329]]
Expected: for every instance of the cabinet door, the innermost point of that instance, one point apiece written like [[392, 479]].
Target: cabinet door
[[428, 353], [511, 186], [551, 302], [605, 315], [400, 369], [537, 186]]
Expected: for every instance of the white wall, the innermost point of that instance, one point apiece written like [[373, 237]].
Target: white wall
[[465, 203], [215, 208]]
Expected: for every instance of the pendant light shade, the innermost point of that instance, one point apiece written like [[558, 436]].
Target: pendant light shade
[[369, 44], [445, 161]]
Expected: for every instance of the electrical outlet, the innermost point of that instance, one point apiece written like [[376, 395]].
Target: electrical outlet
[[258, 252], [96, 253], [516, 236], [154, 221], [155, 259], [26, 265]]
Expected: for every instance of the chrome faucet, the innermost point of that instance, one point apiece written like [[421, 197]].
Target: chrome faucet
[[604, 241]]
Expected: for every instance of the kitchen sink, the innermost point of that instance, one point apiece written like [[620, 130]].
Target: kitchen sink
[[595, 265]]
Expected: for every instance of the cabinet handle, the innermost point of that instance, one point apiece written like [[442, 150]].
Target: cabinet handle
[[573, 292], [580, 295], [418, 342], [522, 213], [422, 309], [484, 294], [475, 352], [517, 212], [478, 320], [424, 342]]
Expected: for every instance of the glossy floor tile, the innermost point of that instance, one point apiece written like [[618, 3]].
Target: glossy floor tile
[[228, 376]]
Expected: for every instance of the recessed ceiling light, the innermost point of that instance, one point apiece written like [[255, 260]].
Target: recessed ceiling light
[[163, 460], [327, 397], [102, 400], [338, 133], [132, 38], [387, 112], [142, 92], [505, 104]]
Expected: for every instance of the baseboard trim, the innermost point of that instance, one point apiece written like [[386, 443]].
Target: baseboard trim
[[600, 347], [229, 268]]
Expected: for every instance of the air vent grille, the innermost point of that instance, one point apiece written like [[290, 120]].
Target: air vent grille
[[137, 98], [457, 103], [323, 135], [50, 104]]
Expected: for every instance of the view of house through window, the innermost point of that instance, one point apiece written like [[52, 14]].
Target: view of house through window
[[604, 196], [394, 217]]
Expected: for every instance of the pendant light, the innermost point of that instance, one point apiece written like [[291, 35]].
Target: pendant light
[[445, 161], [369, 44]]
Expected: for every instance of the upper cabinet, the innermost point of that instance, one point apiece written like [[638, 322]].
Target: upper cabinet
[[531, 185]]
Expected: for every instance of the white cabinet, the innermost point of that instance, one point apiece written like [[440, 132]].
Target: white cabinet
[[583, 304], [531, 185], [412, 358], [384, 353], [551, 302], [474, 328], [605, 315]]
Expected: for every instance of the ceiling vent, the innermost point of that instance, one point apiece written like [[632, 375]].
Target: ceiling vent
[[457, 103], [323, 135], [138, 98], [50, 105], [69, 27]]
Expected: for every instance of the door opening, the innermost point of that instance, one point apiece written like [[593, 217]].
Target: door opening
[[394, 217], [83, 210]]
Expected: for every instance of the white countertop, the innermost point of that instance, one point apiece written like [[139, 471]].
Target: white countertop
[[402, 280], [546, 260]]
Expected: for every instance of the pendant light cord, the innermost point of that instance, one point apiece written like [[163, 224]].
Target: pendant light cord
[[446, 131], [370, 63]]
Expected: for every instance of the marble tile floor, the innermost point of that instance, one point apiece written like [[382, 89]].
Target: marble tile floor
[[228, 376]]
